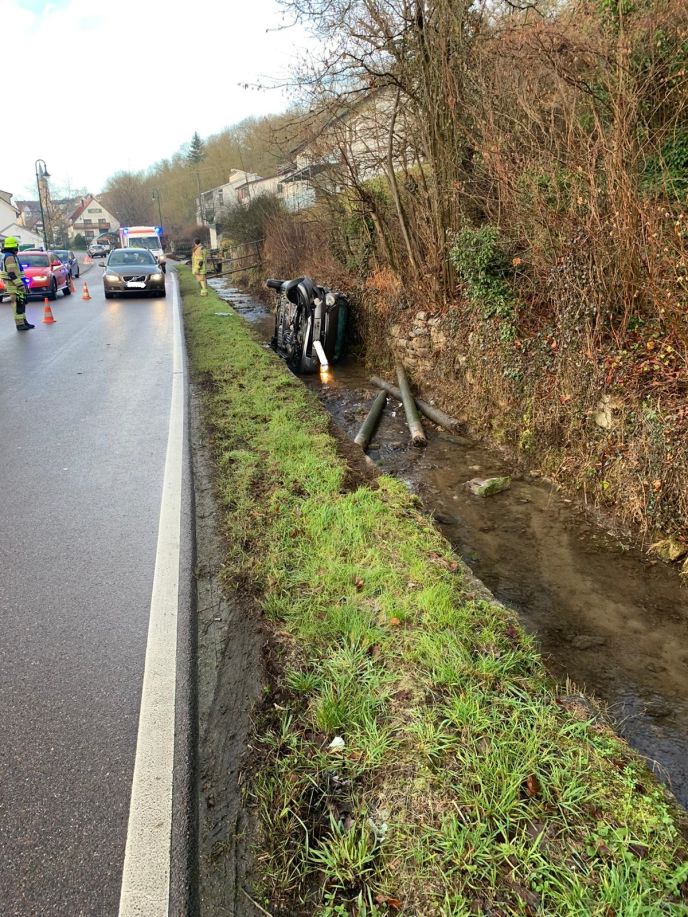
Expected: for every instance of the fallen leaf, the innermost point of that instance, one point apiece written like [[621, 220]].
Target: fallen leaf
[[639, 850], [395, 622], [394, 903], [358, 583], [532, 786]]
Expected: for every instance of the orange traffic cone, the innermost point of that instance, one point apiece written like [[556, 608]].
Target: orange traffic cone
[[85, 294], [47, 314], [88, 260], [72, 288]]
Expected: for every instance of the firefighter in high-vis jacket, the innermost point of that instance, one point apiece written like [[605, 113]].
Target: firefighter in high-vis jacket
[[199, 268], [12, 276]]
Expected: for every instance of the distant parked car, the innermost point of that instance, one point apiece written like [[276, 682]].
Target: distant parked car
[[68, 258], [98, 249], [133, 270], [46, 274]]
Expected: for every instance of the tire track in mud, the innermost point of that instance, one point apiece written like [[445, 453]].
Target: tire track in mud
[[230, 677]]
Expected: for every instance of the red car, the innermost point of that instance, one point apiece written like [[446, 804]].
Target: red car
[[46, 274]]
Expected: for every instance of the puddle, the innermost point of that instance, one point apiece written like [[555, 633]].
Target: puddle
[[611, 619]]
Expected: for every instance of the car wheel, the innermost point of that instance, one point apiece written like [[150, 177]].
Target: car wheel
[[67, 290], [52, 294], [78, 272], [164, 268], [108, 295]]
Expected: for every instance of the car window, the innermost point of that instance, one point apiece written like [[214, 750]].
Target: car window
[[125, 256], [150, 242], [27, 260]]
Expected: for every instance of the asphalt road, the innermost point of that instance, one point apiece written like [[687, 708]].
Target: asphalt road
[[86, 412]]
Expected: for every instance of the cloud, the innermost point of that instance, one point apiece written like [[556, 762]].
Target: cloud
[[125, 86]]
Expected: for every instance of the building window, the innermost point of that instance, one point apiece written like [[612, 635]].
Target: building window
[[88, 221], [95, 209]]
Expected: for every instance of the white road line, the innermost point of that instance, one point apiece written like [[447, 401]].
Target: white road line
[[146, 876]]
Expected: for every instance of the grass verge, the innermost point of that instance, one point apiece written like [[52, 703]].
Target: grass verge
[[412, 755]]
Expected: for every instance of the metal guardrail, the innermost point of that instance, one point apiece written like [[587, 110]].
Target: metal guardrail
[[256, 255], [217, 262]]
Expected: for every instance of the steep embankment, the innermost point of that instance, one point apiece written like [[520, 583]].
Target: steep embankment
[[411, 754]]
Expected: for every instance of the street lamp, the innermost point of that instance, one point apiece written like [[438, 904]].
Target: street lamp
[[155, 195], [42, 173]]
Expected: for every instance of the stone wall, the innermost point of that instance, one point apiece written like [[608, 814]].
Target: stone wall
[[417, 340]]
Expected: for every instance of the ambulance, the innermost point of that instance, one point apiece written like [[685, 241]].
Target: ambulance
[[149, 237]]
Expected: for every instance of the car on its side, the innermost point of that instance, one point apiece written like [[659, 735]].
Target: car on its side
[[45, 273], [133, 270], [69, 258]]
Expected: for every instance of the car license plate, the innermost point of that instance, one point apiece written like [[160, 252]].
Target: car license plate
[[136, 284]]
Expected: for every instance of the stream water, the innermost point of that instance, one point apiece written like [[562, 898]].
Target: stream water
[[606, 616]]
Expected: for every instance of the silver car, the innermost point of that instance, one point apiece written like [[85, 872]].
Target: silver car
[[135, 271]]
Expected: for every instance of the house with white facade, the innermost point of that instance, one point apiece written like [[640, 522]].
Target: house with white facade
[[215, 203], [91, 219], [11, 225], [354, 144]]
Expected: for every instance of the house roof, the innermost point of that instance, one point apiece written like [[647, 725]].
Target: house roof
[[306, 173], [83, 204]]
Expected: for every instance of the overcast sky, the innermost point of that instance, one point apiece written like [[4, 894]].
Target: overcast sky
[[119, 85]]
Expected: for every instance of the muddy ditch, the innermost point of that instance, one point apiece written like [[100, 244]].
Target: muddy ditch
[[606, 616]]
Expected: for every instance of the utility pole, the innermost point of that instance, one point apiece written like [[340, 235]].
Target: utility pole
[[42, 176], [200, 198], [155, 195]]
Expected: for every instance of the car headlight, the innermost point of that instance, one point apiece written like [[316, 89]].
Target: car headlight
[[40, 277], [330, 299], [156, 276], [113, 278]]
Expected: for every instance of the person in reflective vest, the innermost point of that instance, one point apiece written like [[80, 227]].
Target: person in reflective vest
[[13, 277], [198, 265]]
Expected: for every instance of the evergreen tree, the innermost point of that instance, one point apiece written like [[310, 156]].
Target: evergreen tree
[[196, 150]]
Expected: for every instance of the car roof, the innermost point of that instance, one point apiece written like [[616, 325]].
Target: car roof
[[130, 248]]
